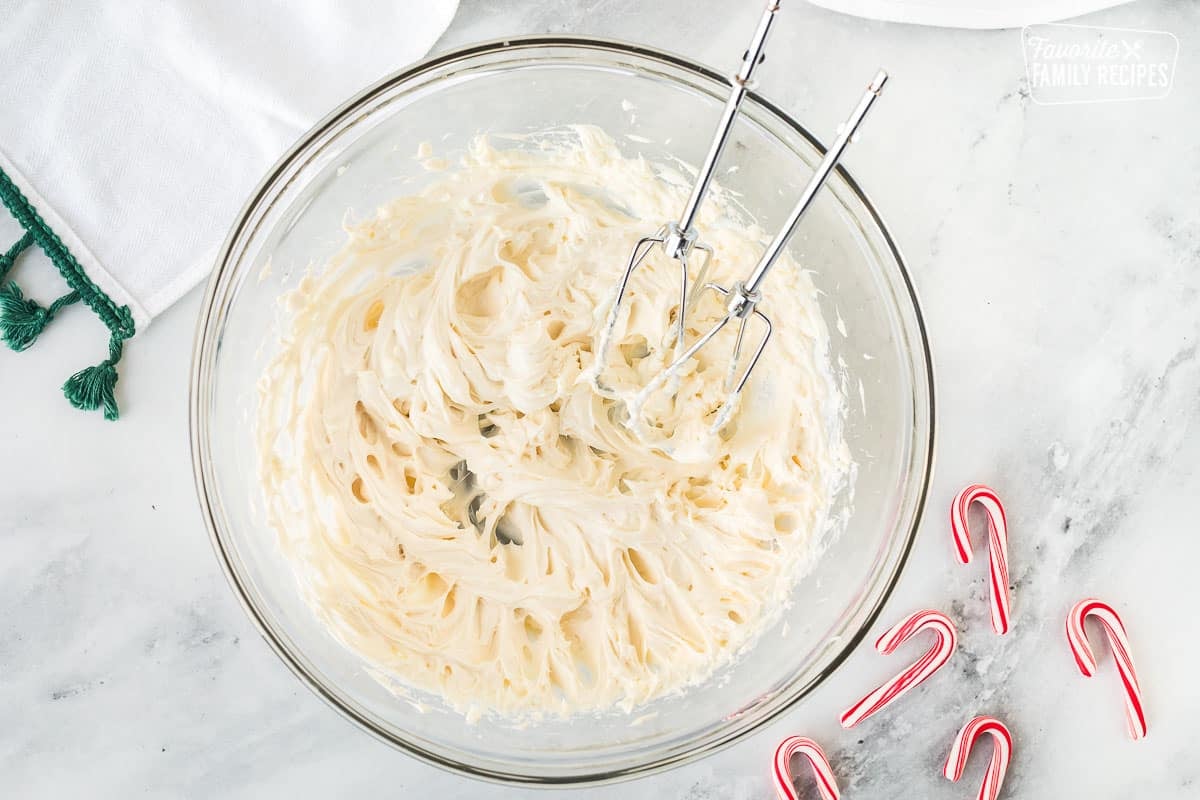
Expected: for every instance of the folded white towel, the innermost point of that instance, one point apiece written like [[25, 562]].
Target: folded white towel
[[133, 131]]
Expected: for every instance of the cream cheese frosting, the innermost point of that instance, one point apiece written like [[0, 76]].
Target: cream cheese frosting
[[464, 511]]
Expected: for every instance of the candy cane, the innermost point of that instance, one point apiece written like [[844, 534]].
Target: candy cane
[[956, 762], [1118, 642], [926, 665], [1001, 601], [826, 783]]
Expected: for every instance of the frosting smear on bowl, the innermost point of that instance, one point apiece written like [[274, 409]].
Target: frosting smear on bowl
[[465, 512]]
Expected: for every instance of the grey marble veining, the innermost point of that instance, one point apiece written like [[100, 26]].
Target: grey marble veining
[[1057, 252]]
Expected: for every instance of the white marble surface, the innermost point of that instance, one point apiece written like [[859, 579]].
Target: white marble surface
[[1057, 252]]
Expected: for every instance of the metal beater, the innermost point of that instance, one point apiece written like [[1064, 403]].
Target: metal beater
[[743, 297], [679, 239]]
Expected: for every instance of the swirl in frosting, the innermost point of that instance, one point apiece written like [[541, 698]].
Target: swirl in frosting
[[461, 507]]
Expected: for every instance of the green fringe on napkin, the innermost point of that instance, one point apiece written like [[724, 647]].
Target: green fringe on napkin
[[22, 319]]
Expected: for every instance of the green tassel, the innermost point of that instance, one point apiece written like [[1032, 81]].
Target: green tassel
[[21, 320], [94, 387]]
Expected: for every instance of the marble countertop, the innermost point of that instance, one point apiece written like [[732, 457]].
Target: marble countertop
[[1057, 252]]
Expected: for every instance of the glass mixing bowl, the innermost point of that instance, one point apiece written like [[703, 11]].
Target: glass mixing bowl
[[356, 159]]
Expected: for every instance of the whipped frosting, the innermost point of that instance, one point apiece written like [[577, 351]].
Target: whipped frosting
[[462, 508]]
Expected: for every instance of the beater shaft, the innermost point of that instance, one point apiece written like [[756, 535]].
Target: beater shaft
[[743, 81], [846, 134]]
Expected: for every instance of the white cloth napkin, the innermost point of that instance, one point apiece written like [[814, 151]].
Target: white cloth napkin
[[968, 13], [134, 131]]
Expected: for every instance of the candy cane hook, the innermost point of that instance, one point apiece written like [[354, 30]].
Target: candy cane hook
[[1118, 642], [1001, 598], [926, 665], [956, 762], [784, 785]]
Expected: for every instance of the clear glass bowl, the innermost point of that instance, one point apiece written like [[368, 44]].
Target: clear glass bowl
[[354, 158]]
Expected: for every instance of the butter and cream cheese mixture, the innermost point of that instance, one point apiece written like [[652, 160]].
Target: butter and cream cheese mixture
[[466, 512]]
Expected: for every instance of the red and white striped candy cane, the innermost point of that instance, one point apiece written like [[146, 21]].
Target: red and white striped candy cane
[[826, 783], [956, 762], [1118, 642], [926, 665], [1001, 599]]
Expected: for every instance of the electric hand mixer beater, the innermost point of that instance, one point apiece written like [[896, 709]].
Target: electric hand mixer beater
[[680, 239]]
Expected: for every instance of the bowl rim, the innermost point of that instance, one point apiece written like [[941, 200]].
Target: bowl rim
[[198, 427]]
